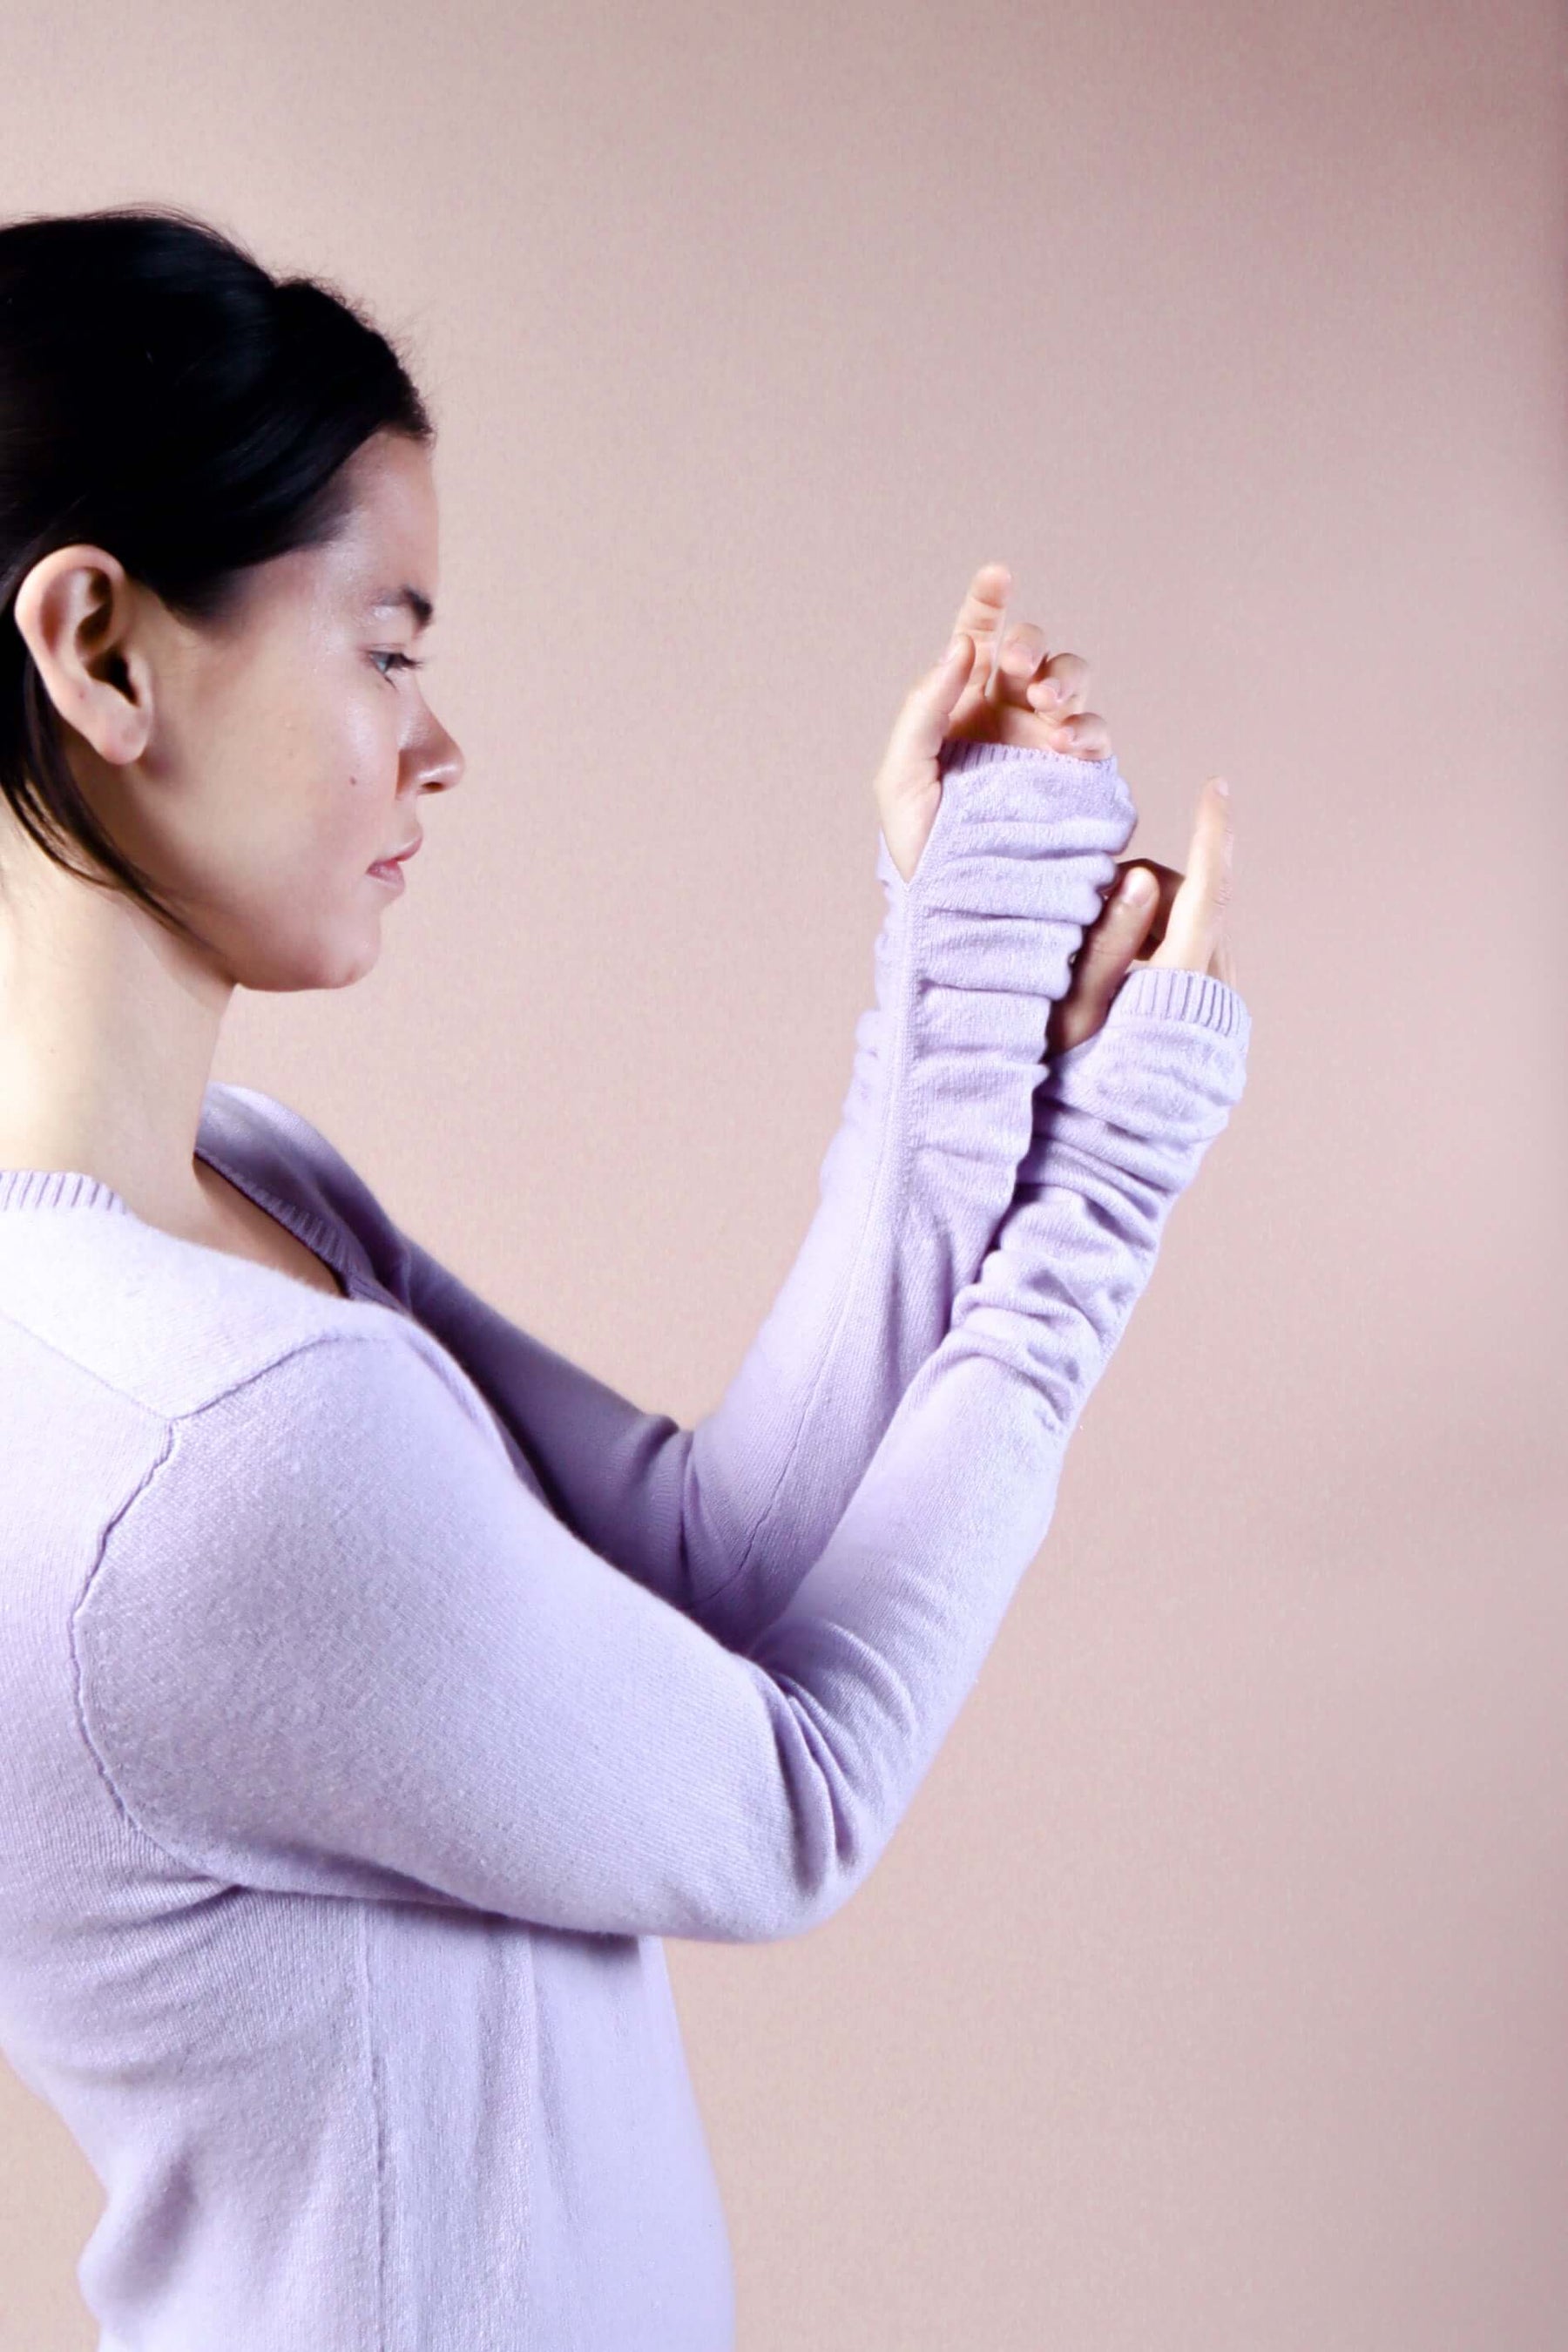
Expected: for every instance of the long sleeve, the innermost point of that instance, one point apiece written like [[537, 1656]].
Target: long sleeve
[[332, 1644], [724, 1518]]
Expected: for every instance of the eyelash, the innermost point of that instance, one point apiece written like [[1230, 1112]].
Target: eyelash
[[405, 661]]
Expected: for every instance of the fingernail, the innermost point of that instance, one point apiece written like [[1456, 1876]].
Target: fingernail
[[1136, 888], [954, 649], [1221, 786]]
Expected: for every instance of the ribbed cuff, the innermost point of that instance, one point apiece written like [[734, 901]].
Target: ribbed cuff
[[1167, 991]]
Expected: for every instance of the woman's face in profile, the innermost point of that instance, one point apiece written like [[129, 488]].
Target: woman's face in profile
[[258, 768]]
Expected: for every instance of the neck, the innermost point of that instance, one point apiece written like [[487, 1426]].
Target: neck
[[108, 1026]]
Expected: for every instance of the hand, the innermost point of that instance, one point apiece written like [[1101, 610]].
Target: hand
[[1148, 903], [991, 691]]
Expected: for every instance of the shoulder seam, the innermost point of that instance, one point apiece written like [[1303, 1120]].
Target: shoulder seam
[[156, 1413], [260, 1372], [62, 1355], [172, 1421]]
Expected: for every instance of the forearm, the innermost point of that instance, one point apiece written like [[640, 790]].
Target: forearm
[[724, 1518], [884, 1635], [1096, 1182]]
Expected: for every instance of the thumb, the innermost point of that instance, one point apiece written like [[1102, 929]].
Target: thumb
[[929, 703]]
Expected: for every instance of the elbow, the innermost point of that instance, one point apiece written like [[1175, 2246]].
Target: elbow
[[824, 1829], [787, 1906]]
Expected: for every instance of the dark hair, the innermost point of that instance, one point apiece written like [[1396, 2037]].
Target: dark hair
[[164, 397]]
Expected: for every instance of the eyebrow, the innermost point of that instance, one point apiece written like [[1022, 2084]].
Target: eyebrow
[[393, 600]]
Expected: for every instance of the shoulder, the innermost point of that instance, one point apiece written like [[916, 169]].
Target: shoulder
[[346, 1409], [107, 1307], [362, 1380], [269, 1576]]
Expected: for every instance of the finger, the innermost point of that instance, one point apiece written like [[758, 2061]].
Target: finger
[[1087, 736], [1198, 910], [1222, 963], [926, 714], [1167, 881], [1023, 651], [982, 613], [1068, 674], [1104, 958]]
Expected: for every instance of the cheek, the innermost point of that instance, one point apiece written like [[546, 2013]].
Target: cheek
[[353, 826], [327, 823], [360, 770], [366, 760], [308, 856], [370, 821]]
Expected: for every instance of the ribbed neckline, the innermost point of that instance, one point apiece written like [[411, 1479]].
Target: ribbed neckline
[[57, 1188], [72, 1188]]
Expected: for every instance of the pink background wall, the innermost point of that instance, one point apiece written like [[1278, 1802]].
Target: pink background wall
[[1214, 1995]]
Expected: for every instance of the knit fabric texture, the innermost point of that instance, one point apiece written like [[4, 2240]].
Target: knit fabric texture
[[380, 1688]]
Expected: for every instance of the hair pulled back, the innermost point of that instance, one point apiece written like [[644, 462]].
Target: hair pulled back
[[164, 397]]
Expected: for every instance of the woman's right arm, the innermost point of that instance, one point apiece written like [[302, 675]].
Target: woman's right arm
[[333, 1644]]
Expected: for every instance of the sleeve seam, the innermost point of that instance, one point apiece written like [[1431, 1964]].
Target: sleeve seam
[[101, 1761], [172, 1422]]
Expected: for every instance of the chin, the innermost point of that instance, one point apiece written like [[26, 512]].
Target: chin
[[334, 957]]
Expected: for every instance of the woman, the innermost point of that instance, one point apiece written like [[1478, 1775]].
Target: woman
[[380, 1688]]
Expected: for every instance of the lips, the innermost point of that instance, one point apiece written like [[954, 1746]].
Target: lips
[[399, 858]]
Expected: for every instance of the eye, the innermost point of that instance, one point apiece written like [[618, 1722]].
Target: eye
[[399, 660]]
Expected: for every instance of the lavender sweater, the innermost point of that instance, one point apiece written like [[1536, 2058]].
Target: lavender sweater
[[379, 1688]]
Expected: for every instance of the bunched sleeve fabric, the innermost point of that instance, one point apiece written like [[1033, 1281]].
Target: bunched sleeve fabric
[[1190, 1027], [334, 1646], [722, 1519]]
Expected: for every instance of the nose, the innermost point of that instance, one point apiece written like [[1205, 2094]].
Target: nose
[[441, 765]]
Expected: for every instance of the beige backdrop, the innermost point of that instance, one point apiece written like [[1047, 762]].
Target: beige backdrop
[[1214, 1995]]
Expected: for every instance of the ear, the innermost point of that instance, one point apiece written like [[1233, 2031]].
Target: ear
[[76, 610]]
